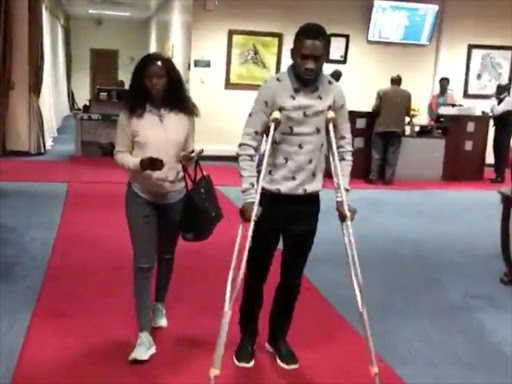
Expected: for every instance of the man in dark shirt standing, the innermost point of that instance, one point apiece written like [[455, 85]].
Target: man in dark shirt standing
[[290, 203], [502, 115]]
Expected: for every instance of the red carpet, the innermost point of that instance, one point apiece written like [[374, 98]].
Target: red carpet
[[82, 328], [103, 170]]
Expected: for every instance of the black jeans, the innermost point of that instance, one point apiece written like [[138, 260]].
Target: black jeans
[[501, 147], [295, 219]]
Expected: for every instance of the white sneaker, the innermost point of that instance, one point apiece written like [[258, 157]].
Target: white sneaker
[[159, 318], [144, 348]]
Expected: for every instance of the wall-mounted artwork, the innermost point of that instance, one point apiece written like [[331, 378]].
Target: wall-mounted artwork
[[486, 67], [252, 58], [338, 48]]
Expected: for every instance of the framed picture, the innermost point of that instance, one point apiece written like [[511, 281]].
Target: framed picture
[[338, 48], [486, 67], [252, 58]]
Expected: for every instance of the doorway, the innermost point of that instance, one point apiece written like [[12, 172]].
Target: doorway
[[104, 68]]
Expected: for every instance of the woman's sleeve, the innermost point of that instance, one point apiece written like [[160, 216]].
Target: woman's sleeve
[[124, 145]]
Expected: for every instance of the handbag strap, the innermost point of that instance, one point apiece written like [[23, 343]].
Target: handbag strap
[[187, 174], [198, 167]]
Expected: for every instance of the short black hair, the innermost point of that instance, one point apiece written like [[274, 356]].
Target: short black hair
[[502, 88], [396, 80], [176, 97], [336, 75], [311, 31], [444, 79]]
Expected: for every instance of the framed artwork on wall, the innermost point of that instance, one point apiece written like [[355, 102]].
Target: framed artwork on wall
[[252, 57], [338, 48], [486, 67]]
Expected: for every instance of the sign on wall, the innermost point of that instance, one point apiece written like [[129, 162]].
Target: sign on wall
[[252, 57], [486, 67], [338, 48]]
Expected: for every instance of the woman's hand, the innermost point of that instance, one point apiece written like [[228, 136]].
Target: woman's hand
[[151, 164], [190, 156]]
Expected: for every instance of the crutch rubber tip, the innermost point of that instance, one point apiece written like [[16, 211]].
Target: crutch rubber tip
[[275, 116], [374, 371], [331, 115]]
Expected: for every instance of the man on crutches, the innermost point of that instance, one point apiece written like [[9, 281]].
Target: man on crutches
[[289, 203]]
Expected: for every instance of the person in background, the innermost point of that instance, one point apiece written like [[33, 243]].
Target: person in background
[[119, 84], [290, 203], [155, 134], [444, 97], [502, 115], [392, 105], [336, 75]]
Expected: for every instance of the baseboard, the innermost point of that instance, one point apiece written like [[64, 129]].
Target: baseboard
[[218, 150], [230, 159], [21, 154]]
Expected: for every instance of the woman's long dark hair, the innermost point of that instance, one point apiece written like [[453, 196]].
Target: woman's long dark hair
[[176, 97]]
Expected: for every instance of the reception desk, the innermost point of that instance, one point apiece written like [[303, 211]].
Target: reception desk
[[96, 129], [421, 158], [466, 144], [361, 124], [453, 150]]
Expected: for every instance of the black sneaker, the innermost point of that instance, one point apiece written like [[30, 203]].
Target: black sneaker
[[244, 354], [285, 356]]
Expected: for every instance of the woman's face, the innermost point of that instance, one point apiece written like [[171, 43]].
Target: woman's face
[[155, 80]]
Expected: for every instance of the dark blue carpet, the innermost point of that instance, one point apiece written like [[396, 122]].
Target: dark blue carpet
[[431, 262], [63, 145], [29, 219]]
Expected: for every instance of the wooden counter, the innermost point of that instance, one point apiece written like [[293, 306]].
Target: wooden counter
[[466, 144]]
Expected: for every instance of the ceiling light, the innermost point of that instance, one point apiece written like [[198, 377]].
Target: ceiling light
[[109, 13]]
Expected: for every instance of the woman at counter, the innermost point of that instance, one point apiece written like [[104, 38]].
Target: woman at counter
[[444, 97], [155, 134]]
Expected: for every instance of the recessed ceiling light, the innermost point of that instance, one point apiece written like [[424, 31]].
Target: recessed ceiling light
[[109, 13]]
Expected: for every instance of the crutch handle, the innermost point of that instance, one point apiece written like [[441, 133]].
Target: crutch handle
[[331, 116], [275, 117], [374, 371]]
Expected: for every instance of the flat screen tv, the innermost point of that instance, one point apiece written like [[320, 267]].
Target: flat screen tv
[[402, 22]]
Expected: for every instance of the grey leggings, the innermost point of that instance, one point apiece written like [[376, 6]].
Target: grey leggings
[[154, 234]]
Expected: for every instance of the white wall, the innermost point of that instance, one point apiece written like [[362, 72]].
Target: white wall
[[130, 37], [170, 32], [369, 65], [472, 22], [17, 127]]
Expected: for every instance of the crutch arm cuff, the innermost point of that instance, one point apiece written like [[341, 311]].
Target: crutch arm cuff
[[249, 196], [339, 196]]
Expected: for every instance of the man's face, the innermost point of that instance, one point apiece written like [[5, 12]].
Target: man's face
[[308, 60], [443, 86]]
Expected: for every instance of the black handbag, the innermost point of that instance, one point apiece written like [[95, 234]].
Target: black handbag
[[201, 210]]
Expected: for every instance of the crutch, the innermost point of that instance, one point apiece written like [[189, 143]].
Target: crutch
[[231, 294], [350, 245]]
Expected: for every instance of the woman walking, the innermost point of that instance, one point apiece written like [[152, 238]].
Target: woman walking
[[155, 134]]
